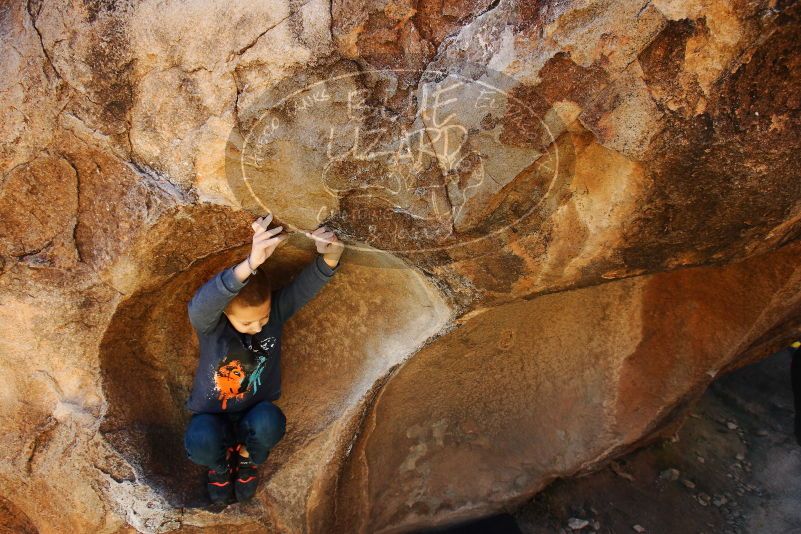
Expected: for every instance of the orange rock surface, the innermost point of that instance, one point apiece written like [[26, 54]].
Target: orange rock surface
[[563, 221]]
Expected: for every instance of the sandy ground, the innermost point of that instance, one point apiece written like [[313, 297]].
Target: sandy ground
[[733, 467]]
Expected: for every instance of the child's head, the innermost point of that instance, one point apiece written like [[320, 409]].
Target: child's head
[[249, 310]]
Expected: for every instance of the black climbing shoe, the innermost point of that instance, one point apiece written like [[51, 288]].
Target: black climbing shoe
[[247, 478], [219, 484]]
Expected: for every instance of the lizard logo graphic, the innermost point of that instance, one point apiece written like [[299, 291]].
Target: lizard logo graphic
[[228, 381], [254, 380]]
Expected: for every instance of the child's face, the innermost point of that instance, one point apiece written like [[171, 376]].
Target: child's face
[[248, 319]]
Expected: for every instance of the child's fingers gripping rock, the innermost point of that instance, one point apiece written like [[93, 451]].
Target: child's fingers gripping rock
[[325, 240], [264, 243], [261, 224]]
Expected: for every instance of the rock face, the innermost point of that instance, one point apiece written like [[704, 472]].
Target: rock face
[[563, 221]]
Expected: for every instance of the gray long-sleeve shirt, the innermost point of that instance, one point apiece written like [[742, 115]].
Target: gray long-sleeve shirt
[[238, 370]]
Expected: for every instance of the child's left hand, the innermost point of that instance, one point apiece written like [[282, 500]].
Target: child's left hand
[[328, 244]]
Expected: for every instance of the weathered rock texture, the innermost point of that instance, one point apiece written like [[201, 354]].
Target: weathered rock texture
[[602, 217]]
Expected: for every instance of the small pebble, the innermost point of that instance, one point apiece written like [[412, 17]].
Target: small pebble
[[688, 483], [669, 474], [731, 425], [619, 471], [638, 528], [740, 456], [577, 524]]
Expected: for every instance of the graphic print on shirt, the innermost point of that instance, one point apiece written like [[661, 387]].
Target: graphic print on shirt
[[254, 379], [236, 378], [228, 381], [266, 345]]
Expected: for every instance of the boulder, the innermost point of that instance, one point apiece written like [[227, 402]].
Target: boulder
[[562, 222]]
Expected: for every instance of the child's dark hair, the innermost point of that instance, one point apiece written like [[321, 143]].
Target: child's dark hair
[[256, 292]]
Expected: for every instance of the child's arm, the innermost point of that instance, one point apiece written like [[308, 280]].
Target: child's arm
[[209, 301], [305, 286]]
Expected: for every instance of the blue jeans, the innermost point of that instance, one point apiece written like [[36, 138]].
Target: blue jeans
[[209, 435]]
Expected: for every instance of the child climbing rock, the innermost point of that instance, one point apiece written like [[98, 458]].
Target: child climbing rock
[[238, 318]]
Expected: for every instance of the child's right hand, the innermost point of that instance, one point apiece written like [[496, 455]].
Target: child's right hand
[[265, 241]]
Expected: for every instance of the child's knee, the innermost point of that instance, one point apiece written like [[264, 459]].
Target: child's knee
[[268, 421], [202, 441], [199, 440], [275, 419]]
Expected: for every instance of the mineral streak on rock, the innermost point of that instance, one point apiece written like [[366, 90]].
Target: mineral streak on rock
[[563, 221]]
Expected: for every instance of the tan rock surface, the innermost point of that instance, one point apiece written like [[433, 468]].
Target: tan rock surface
[[563, 221]]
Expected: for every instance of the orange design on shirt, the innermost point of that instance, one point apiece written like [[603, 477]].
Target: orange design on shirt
[[228, 380]]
